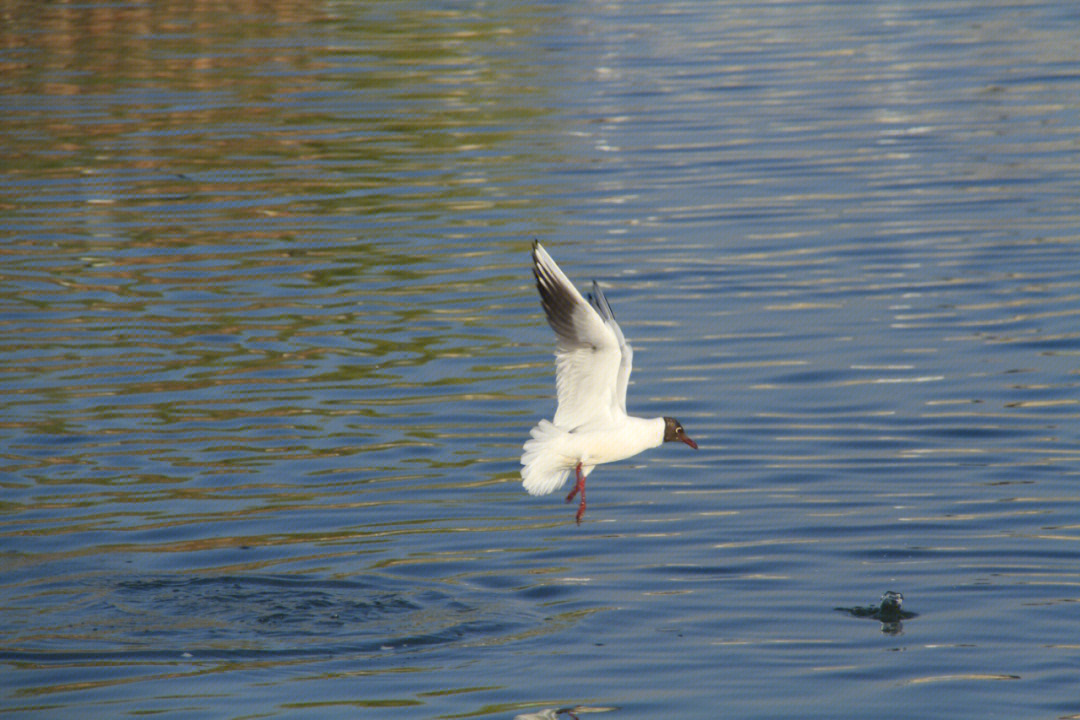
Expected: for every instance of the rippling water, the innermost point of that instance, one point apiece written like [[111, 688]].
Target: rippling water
[[271, 348]]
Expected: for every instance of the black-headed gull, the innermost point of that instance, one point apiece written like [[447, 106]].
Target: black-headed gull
[[592, 368]]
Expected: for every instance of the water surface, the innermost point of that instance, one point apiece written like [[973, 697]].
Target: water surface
[[271, 348]]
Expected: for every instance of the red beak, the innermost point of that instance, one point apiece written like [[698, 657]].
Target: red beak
[[686, 439]]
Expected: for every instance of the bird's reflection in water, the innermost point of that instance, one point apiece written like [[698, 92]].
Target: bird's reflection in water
[[563, 713]]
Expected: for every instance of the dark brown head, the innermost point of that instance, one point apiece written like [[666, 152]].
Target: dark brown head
[[673, 431]]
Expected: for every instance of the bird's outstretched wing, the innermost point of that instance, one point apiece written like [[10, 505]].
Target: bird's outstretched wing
[[592, 358], [626, 362]]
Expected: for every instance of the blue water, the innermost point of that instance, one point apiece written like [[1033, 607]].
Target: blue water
[[271, 348]]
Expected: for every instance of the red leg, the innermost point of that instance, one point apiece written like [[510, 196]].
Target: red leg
[[580, 484], [580, 487], [581, 505]]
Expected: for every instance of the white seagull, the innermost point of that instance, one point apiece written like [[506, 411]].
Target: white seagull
[[592, 368]]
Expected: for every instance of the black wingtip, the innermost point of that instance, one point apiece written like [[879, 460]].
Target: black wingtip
[[535, 258], [599, 301], [557, 301]]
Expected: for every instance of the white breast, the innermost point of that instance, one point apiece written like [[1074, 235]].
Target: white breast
[[609, 444]]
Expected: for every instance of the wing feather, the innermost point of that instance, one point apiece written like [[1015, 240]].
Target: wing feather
[[592, 359], [626, 363]]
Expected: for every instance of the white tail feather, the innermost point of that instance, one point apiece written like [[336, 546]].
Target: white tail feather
[[543, 470]]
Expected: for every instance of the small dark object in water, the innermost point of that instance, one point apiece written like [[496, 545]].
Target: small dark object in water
[[889, 611]]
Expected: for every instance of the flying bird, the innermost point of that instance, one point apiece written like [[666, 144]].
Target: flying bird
[[592, 369]]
